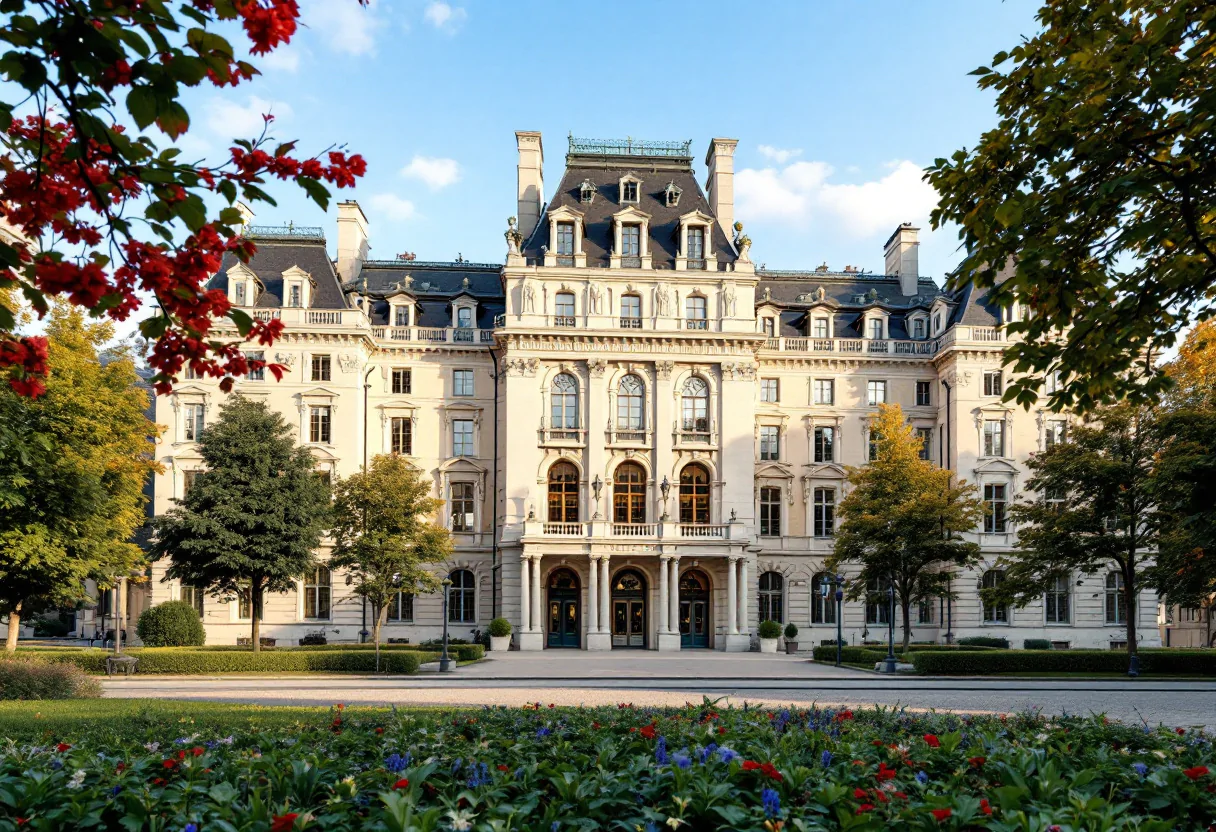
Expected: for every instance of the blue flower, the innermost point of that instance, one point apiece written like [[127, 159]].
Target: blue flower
[[772, 803], [542, 732], [190, 827], [922, 778], [56, 764], [456, 764], [479, 774], [726, 755], [396, 763], [704, 753], [682, 760], [825, 758], [554, 826], [660, 751], [1140, 768], [114, 791]]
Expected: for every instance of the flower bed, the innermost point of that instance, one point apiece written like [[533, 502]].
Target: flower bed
[[626, 768], [190, 661]]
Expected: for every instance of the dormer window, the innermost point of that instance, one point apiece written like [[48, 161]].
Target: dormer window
[[295, 295], [631, 241], [565, 239], [464, 318], [819, 328], [240, 295], [696, 243], [937, 323], [672, 192], [876, 329], [918, 328], [401, 316], [629, 192], [586, 192]]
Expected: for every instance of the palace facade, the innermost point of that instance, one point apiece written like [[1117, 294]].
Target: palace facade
[[641, 438]]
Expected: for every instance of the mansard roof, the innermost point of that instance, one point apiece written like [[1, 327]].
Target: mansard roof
[[846, 296], [433, 286], [280, 249], [605, 164]]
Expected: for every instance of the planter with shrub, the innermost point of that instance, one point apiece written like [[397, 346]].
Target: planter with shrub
[[791, 638], [500, 635], [768, 631], [171, 624]]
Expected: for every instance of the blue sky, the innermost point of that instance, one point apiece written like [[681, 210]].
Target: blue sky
[[836, 106]]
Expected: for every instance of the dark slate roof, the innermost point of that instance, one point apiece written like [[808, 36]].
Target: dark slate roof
[[975, 308], [433, 286], [847, 294], [275, 256], [605, 172]]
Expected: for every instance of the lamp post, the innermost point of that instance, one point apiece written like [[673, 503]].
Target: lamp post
[[889, 664], [596, 485], [445, 663]]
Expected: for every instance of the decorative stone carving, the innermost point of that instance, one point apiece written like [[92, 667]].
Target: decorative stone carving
[[821, 293], [348, 361], [662, 300], [736, 370], [595, 298], [596, 367], [728, 300], [287, 359], [514, 238], [958, 379], [529, 294], [522, 366], [663, 369]]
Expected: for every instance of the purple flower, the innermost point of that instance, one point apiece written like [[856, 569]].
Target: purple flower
[[1140, 768], [396, 763], [660, 751], [190, 827], [772, 803], [542, 732], [115, 790], [705, 752], [825, 759]]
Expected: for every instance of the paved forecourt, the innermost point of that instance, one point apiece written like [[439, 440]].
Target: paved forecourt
[[573, 678]]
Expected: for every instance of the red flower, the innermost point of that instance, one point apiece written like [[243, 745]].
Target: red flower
[[379, 730], [1196, 772], [402, 784], [63, 746], [158, 781], [977, 762], [750, 765], [170, 764], [941, 814], [770, 770], [984, 807], [885, 773], [860, 794], [501, 767], [933, 741], [198, 751], [340, 706], [865, 807], [120, 768], [648, 732], [595, 725], [1180, 731], [721, 729], [843, 715], [181, 755], [284, 823]]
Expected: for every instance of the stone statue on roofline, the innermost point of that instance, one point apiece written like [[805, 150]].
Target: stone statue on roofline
[[513, 236], [742, 242]]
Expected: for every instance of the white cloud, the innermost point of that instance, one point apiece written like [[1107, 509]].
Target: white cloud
[[243, 121], [444, 17], [777, 154], [802, 193], [283, 59], [346, 27], [393, 207], [436, 172]]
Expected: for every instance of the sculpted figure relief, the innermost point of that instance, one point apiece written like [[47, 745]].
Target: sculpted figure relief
[[529, 293], [595, 295], [662, 300]]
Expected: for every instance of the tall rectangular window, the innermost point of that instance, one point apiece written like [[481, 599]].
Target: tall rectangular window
[[462, 506], [317, 593], [194, 597], [193, 426], [401, 316], [696, 244], [925, 435], [402, 429], [1055, 433], [924, 613], [824, 516], [240, 293], [1116, 599], [819, 328], [696, 313], [565, 238], [768, 390], [876, 329], [994, 437], [631, 240], [188, 480], [770, 511], [320, 367], [293, 296], [993, 383], [401, 608], [770, 442], [260, 373], [923, 389], [824, 391], [995, 501], [629, 192], [462, 437], [876, 392], [1056, 601], [462, 382], [825, 444], [631, 312], [403, 381], [918, 328], [319, 425], [563, 309], [464, 317]]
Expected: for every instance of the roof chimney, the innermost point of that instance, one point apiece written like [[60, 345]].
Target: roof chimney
[[721, 185], [531, 180], [900, 253], [352, 240]]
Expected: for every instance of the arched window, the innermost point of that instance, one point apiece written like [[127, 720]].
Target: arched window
[[772, 586], [1116, 602], [994, 613], [630, 404], [563, 402], [823, 600], [878, 605], [694, 494], [629, 493], [695, 409], [563, 493], [462, 597], [316, 593]]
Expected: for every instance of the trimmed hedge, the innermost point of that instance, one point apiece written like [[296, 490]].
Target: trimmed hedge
[[868, 654], [1163, 662], [188, 662], [1036, 644], [999, 642]]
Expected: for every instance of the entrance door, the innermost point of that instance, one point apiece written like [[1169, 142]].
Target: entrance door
[[694, 609], [565, 620], [629, 610]]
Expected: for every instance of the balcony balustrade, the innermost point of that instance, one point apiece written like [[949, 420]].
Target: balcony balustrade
[[665, 530], [852, 346]]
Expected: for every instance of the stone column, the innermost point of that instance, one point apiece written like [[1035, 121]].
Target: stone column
[[732, 599], [664, 615], [744, 592], [593, 600], [674, 604], [606, 583], [597, 602], [525, 605], [537, 625], [530, 636], [669, 603]]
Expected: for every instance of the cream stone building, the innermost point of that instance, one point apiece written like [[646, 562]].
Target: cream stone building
[[640, 437]]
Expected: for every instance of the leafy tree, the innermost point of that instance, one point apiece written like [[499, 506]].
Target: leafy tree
[[72, 468], [384, 536], [106, 216], [249, 524], [1091, 202], [1193, 371], [1093, 509], [904, 519]]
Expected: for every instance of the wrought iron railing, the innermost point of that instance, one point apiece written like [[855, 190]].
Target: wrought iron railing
[[631, 262], [290, 231], [631, 323], [563, 320], [696, 265], [630, 147]]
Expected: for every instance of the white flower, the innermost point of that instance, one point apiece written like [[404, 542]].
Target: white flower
[[77, 779], [152, 746], [674, 823]]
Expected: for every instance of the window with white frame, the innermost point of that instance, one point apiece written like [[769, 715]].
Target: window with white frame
[[1054, 433], [1057, 601], [462, 382], [586, 192], [876, 329], [770, 511], [924, 611], [403, 381], [401, 316], [768, 390], [1051, 382], [402, 433], [876, 392], [772, 596], [824, 444], [994, 613], [462, 597], [993, 383], [696, 312], [319, 424], [192, 426], [401, 608], [696, 243], [995, 503], [925, 435], [462, 437], [918, 328], [565, 238], [630, 407], [819, 328], [923, 392], [194, 597], [258, 374], [461, 503], [464, 317], [824, 512], [770, 442], [823, 601], [823, 391], [563, 407], [770, 327], [295, 296], [994, 437], [629, 191], [563, 309], [1116, 599], [317, 593], [631, 240], [694, 407], [240, 293], [320, 367], [631, 312], [1055, 500]]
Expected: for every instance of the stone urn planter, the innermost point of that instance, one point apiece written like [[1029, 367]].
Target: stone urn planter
[[502, 643], [791, 638], [500, 635], [768, 645], [769, 632]]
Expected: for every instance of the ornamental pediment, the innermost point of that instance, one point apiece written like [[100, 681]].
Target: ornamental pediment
[[825, 470], [631, 213], [996, 465], [774, 471], [461, 465], [320, 393]]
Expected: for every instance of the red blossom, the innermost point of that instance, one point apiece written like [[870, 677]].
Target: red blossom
[[984, 807], [502, 767], [284, 823], [844, 715], [865, 807], [403, 783], [649, 731], [169, 764], [932, 741], [63, 746], [198, 751], [1196, 772], [941, 814], [268, 25], [977, 762]]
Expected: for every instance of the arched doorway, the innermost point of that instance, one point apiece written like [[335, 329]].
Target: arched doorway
[[694, 609], [629, 610], [564, 613]]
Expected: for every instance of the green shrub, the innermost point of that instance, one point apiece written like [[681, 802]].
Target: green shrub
[[34, 678], [769, 629], [791, 631], [1162, 662], [500, 627], [985, 641], [1036, 644], [50, 628], [462, 652], [171, 624], [187, 662], [848, 655]]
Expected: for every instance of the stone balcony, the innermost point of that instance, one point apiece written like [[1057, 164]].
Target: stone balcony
[[659, 532]]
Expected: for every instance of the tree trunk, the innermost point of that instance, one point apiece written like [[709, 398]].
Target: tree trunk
[[255, 617], [907, 625], [381, 615], [14, 628]]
